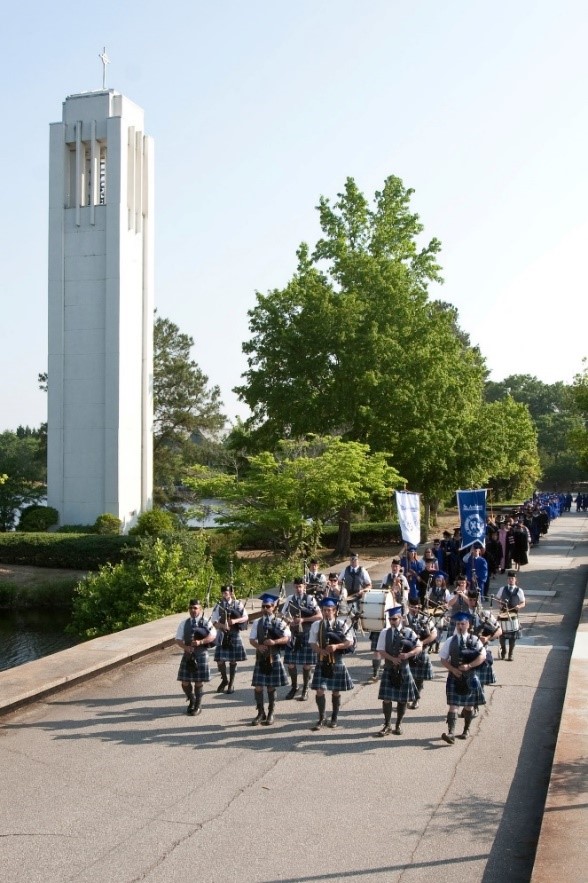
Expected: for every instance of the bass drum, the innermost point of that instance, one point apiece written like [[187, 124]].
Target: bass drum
[[372, 609]]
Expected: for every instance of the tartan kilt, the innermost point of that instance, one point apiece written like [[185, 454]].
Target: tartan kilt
[[474, 697], [199, 672], [406, 692], [421, 667], [340, 681], [235, 652], [276, 678], [485, 671], [305, 655]]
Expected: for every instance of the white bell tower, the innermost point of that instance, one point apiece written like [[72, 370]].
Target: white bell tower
[[100, 388]]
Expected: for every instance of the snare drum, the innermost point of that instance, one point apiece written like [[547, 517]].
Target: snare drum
[[509, 623], [372, 609]]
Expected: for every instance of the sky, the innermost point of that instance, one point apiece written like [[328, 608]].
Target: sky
[[258, 108]]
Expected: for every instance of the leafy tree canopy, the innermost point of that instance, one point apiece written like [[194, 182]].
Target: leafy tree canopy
[[287, 495], [26, 475], [353, 346]]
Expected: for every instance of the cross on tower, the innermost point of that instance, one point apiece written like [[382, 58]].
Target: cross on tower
[[105, 60]]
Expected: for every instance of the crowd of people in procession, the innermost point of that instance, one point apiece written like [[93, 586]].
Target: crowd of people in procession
[[434, 604]]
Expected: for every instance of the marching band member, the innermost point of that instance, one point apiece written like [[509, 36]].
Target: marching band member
[[512, 599], [338, 592], [194, 636], [356, 580], [330, 639], [397, 585], [397, 644], [486, 628], [268, 635], [230, 618], [458, 602], [315, 580], [302, 609], [420, 665], [461, 654]]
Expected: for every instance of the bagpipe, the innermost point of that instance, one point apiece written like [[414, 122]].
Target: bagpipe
[[273, 631], [400, 644], [331, 634], [467, 655]]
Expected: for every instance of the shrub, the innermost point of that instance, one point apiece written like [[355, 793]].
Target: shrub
[[160, 579], [107, 525], [75, 551], [155, 523], [37, 518]]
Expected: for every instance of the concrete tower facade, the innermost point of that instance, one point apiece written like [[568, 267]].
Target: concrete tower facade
[[100, 391]]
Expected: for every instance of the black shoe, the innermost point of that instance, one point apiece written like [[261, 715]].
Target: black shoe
[[291, 693], [304, 695], [257, 720], [191, 710], [397, 730], [231, 687], [222, 687], [414, 705], [333, 724], [268, 721], [509, 659], [385, 731], [464, 735], [319, 725], [449, 738]]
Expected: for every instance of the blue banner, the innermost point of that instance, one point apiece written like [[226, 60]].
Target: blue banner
[[472, 516]]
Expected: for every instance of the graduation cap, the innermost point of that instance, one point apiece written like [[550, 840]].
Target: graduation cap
[[328, 602], [267, 598], [394, 611], [461, 615]]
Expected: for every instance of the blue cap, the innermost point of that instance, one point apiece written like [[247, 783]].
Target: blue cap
[[268, 598], [328, 602], [394, 611], [440, 573], [461, 615]]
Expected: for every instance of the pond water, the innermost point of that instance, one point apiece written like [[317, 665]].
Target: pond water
[[31, 634]]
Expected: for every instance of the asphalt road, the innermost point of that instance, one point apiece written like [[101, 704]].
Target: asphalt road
[[111, 781]]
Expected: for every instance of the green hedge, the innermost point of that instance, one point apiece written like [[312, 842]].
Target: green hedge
[[73, 551]]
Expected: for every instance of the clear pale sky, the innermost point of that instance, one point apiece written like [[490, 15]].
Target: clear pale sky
[[259, 107]]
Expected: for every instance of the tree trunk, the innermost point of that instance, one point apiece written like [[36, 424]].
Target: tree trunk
[[343, 544]]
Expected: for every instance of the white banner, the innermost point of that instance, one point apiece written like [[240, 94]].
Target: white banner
[[409, 517]]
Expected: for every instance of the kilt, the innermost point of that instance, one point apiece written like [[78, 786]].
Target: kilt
[[340, 681], [421, 667], [474, 697], [305, 655], [235, 652], [406, 692], [198, 672], [485, 671], [276, 678]]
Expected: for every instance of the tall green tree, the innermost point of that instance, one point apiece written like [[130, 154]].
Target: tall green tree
[[579, 436], [551, 408], [354, 346], [187, 411], [25, 471], [288, 494]]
